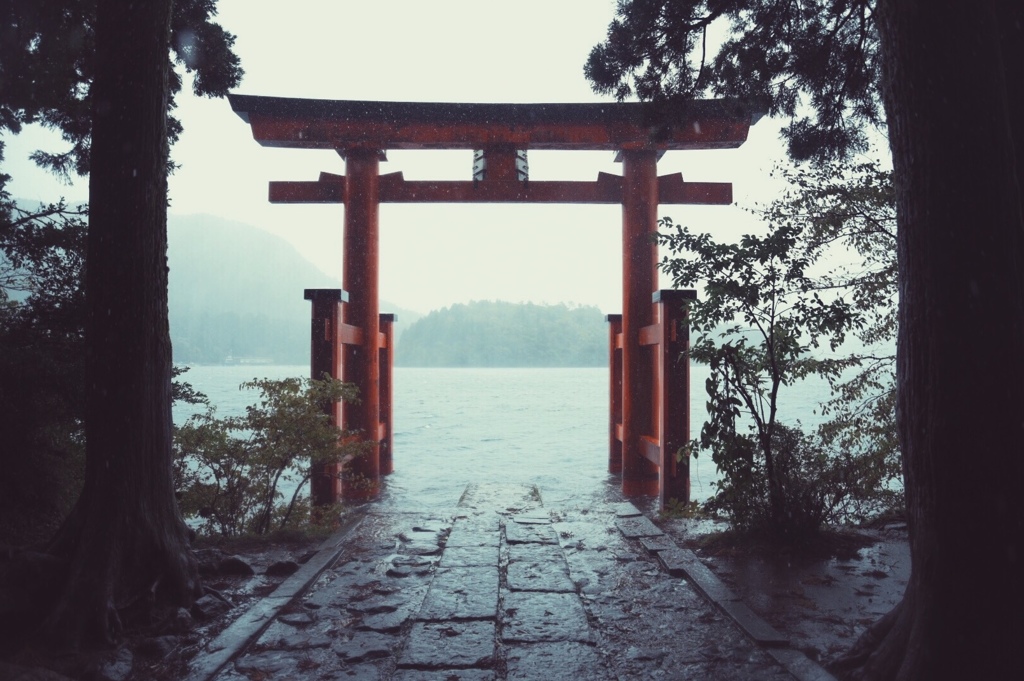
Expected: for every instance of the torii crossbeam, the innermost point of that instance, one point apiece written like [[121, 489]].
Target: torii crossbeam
[[363, 131]]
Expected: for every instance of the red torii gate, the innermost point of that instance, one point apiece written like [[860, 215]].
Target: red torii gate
[[649, 411]]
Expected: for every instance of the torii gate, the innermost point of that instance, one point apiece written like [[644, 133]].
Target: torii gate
[[649, 403]]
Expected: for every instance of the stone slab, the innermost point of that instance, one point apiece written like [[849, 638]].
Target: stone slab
[[535, 517], [537, 567], [558, 661], [799, 665], [534, 617], [469, 556], [640, 526], [506, 497], [414, 561], [441, 675], [516, 533], [685, 563], [268, 663], [432, 525], [539, 577], [700, 575], [752, 623], [449, 645], [462, 593], [235, 637], [386, 622], [475, 533], [535, 553], [402, 570], [488, 519], [254, 621], [365, 646], [427, 545], [675, 561], [376, 603], [297, 619], [281, 636], [656, 544], [626, 510]]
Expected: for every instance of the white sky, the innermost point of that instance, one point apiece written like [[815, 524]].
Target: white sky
[[412, 50]]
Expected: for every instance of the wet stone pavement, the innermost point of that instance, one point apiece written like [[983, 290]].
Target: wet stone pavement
[[501, 588]]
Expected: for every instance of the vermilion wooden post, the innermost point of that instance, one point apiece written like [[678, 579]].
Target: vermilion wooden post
[[325, 358], [387, 358], [674, 378], [614, 392], [361, 366], [639, 281]]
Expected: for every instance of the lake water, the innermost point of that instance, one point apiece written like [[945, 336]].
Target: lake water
[[452, 427]]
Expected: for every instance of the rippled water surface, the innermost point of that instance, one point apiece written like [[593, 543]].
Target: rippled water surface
[[547, 427]]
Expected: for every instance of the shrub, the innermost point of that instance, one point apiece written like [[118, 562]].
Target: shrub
[[232, 472]]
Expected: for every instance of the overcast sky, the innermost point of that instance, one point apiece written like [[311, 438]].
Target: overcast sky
[[440, 51]]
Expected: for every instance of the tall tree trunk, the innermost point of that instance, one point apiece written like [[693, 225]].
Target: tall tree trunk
[[954, 97], [125, 543]]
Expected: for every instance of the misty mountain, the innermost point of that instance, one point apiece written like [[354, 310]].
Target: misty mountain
[[236, 291], [501, 334]]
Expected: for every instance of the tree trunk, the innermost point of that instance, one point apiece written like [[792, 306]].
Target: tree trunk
[[954, 97], [125, 544]]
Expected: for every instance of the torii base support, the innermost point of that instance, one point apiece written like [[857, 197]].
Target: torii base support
[[665, 443], [331, 345]]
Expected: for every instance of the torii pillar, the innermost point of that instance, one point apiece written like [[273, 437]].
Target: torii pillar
[[361, 277], [639, 281]]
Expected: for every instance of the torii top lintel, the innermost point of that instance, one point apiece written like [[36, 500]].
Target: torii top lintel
[[340, 124]]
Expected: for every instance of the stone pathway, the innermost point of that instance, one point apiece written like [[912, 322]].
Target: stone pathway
[[502, 589]]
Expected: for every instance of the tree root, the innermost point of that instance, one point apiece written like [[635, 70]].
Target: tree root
[[879, 654]]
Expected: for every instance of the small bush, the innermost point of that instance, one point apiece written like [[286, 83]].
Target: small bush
[[817, 486], [231, 471]]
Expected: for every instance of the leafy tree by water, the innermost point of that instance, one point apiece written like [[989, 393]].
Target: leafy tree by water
[[773, 313], [848, 213]]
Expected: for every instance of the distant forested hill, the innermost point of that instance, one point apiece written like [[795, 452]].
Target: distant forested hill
[[499, 334], [236, 290]]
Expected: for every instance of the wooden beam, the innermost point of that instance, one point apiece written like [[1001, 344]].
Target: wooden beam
[[340, 124], [650, 335], [672, 190], [650, 449], [306, 192], [349, 334]]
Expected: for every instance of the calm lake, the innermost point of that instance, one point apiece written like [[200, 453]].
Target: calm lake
[[546, 427]]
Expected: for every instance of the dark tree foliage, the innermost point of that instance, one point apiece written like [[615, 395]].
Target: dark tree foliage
[[813, 61], [47, 64], [46, 70], [42, 317], [42, 353]]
